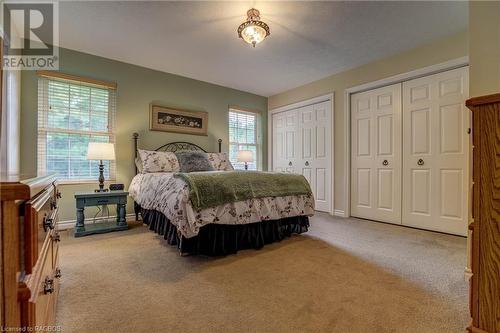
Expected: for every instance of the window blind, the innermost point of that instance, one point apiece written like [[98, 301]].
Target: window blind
[[243, 136], [70, 115]]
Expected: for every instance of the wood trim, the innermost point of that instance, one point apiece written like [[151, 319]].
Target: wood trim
[[482, 100], [10, 256], [1, 86], [473, 329], [75, 78], [14, 191], [239, 108]]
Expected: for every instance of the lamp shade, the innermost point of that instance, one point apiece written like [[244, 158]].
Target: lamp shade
[[101, 151], [245, 156]]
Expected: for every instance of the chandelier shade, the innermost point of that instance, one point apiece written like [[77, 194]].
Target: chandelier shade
[[253, 30]]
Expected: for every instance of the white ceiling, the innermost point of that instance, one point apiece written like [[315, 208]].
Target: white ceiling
[[308, 41]]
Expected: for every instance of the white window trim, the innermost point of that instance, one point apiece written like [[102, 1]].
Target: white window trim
[[258, 136], [42, 131]]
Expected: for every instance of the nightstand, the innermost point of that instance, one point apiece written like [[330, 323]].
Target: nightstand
[[88, 199]]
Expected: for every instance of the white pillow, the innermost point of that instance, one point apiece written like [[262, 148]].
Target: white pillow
[[220, 161], [158, 161]]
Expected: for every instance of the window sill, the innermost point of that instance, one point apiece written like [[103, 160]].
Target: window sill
[[82, 182]]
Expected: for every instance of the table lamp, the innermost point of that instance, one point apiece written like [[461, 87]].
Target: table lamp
[[101, 151], [245, 156]]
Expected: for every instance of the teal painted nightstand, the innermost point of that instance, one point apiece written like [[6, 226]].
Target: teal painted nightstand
[[87, 199]]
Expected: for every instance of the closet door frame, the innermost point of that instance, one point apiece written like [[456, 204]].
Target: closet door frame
[[425, 71], [323, 98]]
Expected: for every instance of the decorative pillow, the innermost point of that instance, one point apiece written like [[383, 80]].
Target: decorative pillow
[[158, 161], [191, 161], [138, 164], [220, 161]]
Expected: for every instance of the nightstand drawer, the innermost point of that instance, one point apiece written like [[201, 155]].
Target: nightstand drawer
[[103, 201]]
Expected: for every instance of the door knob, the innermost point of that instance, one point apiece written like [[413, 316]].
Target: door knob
[[385, 162], [290, 163], [420, 162], [307, 163]]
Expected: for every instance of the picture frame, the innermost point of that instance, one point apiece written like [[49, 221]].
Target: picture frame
[[167, 119]]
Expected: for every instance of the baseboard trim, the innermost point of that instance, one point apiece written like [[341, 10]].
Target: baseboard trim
[[339, 212], [69, 224]]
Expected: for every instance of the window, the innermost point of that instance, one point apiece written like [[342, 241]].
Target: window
[[243, 136], [70, 115]]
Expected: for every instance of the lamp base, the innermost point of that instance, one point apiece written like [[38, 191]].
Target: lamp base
[[101, 179]]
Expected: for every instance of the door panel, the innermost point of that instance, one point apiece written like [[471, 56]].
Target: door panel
[[385, 189], [284, 141], [451, 129], [321, 185], [363, 138], [376, 154], [451, 186], [420, 131], [385, 141], [421, 191], [435, 152]]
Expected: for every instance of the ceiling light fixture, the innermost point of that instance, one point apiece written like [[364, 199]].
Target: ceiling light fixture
[[253, 30]]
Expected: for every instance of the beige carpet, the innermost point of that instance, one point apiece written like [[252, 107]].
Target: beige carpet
[[345, 275]]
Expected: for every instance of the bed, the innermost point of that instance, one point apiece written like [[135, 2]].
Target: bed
[[166, 202]]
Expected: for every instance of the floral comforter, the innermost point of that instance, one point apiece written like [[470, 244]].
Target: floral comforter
[[170, 196]]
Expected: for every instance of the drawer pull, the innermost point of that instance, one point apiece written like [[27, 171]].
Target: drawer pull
[[58, 195], [48, 286], [58, 273], [53, 205], [48, 223], [56, 238]]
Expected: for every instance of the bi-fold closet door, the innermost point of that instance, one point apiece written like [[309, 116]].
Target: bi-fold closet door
[[376, 154], [426, 148], [302, 144]]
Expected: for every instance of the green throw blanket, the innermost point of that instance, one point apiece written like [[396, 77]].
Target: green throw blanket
[[210, 189]]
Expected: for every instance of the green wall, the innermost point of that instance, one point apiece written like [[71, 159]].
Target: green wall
[[137, 88]]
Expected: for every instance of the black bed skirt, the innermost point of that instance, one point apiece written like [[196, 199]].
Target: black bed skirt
[[223, 239]]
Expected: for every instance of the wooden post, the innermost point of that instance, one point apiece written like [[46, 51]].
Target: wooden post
[[136, 137], [220, 145]]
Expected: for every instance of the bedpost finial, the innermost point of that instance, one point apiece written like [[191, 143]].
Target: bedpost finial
[[135, 135], [220, 140]]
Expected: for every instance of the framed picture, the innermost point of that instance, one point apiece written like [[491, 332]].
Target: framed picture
[[179, 121]]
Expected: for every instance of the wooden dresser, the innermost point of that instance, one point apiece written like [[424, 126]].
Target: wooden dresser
[[485, 281], [29, 259]]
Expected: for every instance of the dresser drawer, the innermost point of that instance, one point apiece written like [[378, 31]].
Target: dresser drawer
[[41, 218], [44, 285]]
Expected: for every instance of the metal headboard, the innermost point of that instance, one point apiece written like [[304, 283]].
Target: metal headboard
[[180, 146], [173, 147]]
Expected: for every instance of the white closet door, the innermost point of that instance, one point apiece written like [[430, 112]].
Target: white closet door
[[278, 142], [285, 147], [435, 146], [376, 154], [314, 151]]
